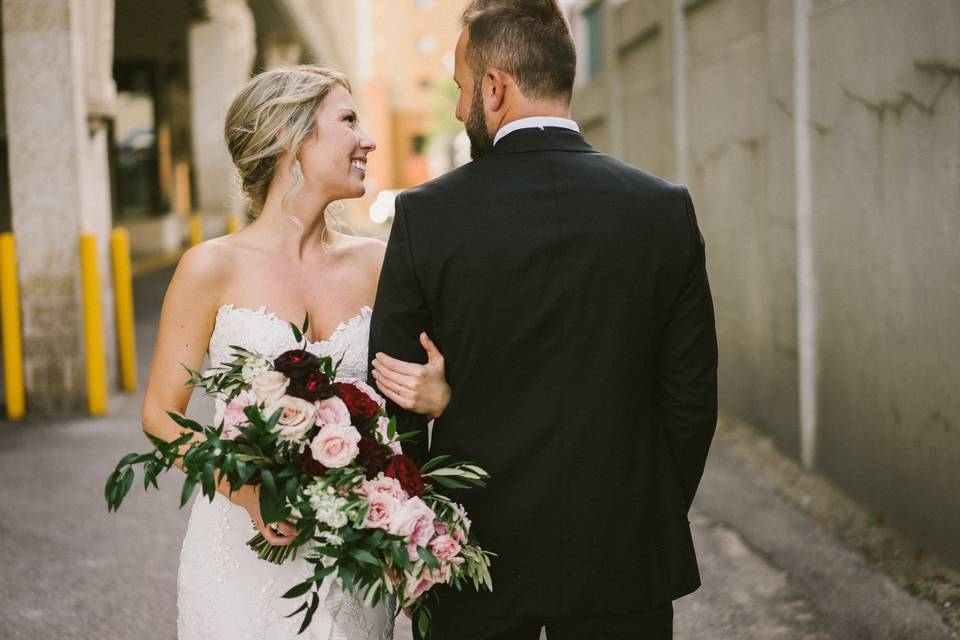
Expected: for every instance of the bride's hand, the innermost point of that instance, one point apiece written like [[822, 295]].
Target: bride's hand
[[276, 533], [421, 388]]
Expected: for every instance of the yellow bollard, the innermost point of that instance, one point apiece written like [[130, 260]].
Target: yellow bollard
[[93, 327], [10, 315], [196, 229], [232, 224], [123, 301]]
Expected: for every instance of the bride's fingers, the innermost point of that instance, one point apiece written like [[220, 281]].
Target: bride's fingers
[[399, 366], [433, 354], [391, 377]]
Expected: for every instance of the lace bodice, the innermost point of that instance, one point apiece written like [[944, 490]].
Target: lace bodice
[[262, 331], [224, 592]]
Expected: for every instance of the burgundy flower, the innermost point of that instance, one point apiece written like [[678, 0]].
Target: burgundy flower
[[296, 363], [361, 406], [405, 470], [312, 387], [310, 466], [373, 456]]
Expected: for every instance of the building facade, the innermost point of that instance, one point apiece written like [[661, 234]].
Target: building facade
[[820, 140]]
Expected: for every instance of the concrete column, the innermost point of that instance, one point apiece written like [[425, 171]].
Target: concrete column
[[52, 197], [222, 51]]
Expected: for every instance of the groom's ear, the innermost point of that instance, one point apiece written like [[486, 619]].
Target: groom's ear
[[495, 85]]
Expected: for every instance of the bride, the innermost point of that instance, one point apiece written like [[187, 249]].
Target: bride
[[297, 144]]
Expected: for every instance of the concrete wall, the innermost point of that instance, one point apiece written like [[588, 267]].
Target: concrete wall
[[832, 240]]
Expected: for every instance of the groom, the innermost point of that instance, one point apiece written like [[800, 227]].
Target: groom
[[568, 293]]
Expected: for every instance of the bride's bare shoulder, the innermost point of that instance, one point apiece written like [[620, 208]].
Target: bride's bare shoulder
[[365, 253], [205, 268]]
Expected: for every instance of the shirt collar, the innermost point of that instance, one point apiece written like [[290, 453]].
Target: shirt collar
[[535, 122]]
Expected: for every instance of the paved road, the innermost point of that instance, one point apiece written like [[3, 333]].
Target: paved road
[[68, 569]]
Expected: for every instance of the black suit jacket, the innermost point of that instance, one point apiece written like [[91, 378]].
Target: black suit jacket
[[568, 293]]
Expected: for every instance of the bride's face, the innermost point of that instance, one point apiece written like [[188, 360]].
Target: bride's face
[[334, 159]]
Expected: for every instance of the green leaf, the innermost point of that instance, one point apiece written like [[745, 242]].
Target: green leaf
[[434, 463], [188, 484], [362, 555], [184, 422], [306, 323], [297, 334], [347, 576], [209, 484], [298, 590], [428, 557], [423, 623], [314, 602]]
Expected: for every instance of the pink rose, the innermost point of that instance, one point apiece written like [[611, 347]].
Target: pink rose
[[383, 422], [383, 484], [233, 415], [382, 508], [335, 447], [444, 547], [332, 412], [417, 586], [414, 521], [296, 420], [367, 389]]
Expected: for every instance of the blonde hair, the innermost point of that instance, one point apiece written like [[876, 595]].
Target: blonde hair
[[273, 112]]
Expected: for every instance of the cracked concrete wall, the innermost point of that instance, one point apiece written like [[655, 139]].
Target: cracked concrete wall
[[711, 100], [885, 97]]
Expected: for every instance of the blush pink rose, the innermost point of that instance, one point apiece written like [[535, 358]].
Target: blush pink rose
[[233, 415], [332, 412], [418, 585], [414, 522], [444, 547], [384, 484], [296, 420], [335, 447], [382, 509]]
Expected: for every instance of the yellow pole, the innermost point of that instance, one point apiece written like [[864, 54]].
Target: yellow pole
[[123, 301], [93, 327], [232, 224], [196, 229], [10, 315]]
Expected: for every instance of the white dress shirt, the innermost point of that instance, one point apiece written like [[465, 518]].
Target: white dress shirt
[[535, 122]]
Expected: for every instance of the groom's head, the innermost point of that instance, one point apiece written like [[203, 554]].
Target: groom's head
[[514, 59]]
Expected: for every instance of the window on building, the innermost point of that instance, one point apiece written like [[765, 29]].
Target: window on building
[[593, 21]]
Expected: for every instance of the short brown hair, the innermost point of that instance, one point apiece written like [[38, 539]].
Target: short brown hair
[[529, 39]]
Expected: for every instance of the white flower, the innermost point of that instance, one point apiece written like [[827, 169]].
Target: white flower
[[330, 508], [253, 367], [331, 538], [269, 386]]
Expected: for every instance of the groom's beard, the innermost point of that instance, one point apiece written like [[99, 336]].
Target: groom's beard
[[481, 142]]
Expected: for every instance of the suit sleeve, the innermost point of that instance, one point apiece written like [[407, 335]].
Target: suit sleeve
[[687, 368], [400, 313]]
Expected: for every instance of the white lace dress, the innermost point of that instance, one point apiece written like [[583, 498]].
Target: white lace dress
[[224, 592]]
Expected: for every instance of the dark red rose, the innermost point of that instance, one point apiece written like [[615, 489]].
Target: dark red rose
[[361, 406], [310, 466], [373, 456], [405, 470], [296, 363], [312, 387]]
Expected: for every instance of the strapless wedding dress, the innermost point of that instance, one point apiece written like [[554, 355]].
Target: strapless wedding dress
[[224, 592]]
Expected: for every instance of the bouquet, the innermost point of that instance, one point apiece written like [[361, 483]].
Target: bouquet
[[323, 451]]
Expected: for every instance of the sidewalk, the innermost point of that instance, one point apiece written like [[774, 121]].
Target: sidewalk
[[71, 570]]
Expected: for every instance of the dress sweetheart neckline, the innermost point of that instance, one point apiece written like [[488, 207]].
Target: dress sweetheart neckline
[[262, 312]]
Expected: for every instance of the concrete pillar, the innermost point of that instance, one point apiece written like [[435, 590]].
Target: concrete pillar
[[58, 185], [222, 51]]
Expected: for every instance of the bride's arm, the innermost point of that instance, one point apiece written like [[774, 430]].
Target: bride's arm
[[421, 388], [186, 322]]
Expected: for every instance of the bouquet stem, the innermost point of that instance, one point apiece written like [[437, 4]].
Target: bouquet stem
[[269, 552]]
